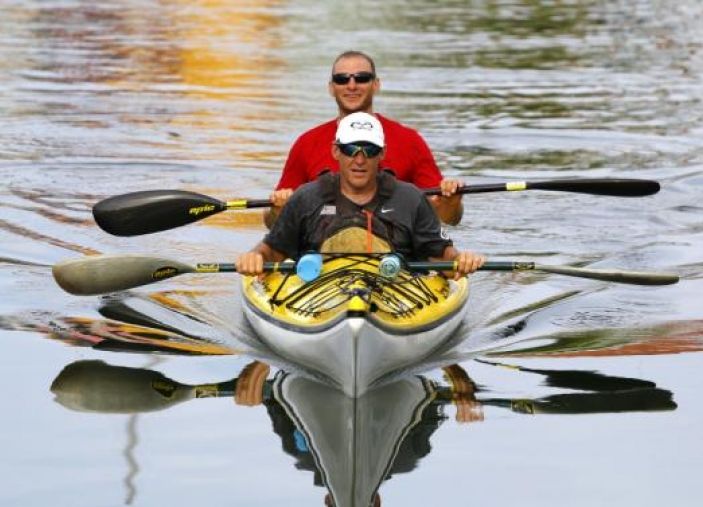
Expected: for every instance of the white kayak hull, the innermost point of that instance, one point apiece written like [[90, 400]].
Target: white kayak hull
[[354, 354]]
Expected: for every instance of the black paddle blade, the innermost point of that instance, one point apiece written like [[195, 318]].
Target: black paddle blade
[[153, 211], [614, 187]]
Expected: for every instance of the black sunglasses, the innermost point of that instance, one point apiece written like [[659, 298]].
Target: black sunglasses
[[352, 149], [359, 77]]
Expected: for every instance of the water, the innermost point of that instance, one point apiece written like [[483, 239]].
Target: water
[[208, 96]]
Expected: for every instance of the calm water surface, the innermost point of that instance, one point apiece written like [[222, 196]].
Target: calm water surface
[[602, 403]]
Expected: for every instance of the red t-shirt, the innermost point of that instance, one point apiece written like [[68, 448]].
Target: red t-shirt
[[407, 155]]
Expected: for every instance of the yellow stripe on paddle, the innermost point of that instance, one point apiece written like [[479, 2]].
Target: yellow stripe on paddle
[[236, 204], [515, 186]]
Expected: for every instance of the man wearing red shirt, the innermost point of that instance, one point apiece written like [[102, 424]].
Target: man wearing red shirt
[[353, 85]]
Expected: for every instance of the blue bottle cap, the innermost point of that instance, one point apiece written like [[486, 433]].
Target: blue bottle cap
[[389, 267], [309, 266]]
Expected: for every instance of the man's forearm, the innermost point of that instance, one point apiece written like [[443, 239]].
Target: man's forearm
[[278, 198], [268, 253], [449, 254], [450, 211], [270, 216]]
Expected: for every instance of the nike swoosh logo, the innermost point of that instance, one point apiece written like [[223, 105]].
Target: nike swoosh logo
[[386, 210]]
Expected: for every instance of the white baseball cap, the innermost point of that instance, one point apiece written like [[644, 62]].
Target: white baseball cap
[[360, 127]]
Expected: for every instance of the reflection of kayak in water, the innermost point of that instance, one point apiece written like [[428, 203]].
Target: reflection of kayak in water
[[352, 324], [351, 444], [95, 386], [354, 442]]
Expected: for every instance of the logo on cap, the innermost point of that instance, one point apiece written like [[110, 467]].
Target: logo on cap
[[361, 125]]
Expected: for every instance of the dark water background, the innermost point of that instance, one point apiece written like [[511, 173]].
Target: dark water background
[[112, 97]]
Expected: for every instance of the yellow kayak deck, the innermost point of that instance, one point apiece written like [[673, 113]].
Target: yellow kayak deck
[[350, 285]]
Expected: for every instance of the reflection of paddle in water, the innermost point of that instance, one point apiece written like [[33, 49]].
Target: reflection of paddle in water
[[603, 394], [581, 380], [351, 445]]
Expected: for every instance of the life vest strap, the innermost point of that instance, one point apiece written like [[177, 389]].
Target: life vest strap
[[369, 230]]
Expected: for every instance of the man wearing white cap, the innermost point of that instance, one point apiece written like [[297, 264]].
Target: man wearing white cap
[[358, 196]]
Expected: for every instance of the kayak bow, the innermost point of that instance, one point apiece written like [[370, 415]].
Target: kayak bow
[[352, 325]]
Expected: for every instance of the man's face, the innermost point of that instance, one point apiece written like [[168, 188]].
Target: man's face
[[357, 172], [353, 97]]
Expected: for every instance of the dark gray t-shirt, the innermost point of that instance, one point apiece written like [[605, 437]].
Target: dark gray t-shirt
[[417, 232]]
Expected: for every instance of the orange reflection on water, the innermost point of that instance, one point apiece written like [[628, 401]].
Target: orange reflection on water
[[679, 338], [194, 76], [671, 338]]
